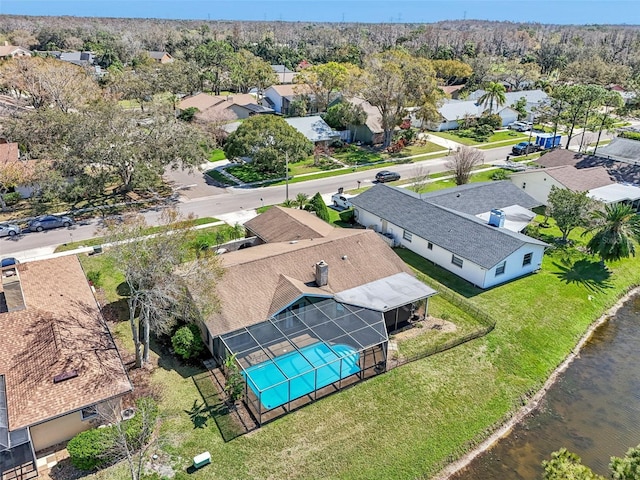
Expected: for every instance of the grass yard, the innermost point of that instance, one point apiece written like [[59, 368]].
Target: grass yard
[[353, 155], [411, 421], [507, 135], [427, 147], [216, 155], [455, 138]]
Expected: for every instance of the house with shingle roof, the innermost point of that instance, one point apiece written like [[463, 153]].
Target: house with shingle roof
[[485, 252], [223, 108], [309, 312], [314, 128], [280, 97], [58, 362], [11, 51], [538, 182], [161, 57]]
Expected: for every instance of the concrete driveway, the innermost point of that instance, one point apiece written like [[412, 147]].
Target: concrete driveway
[[196, 184]]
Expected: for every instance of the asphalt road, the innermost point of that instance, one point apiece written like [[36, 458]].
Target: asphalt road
[[229, 200]]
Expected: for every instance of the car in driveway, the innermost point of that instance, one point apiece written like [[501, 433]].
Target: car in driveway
[[387, 176], [46, 222], [524, 148], [9, 230]]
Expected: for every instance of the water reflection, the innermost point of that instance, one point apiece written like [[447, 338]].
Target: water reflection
[[593, 409]]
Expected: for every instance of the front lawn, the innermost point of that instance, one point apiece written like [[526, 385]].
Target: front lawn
[[217, 154], [354, 155], [449, 135]]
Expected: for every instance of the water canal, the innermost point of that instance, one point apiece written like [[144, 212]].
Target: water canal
[[593, 409]]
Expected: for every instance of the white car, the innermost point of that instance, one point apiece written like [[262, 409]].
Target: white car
[[9, 230], [342, 200]]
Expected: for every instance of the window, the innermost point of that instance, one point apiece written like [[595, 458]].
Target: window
[[500, 268], [89, 412], [457, 261], [527, 259], [430, 246], [407, 236]]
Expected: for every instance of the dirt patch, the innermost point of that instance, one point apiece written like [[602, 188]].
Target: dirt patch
[[423, 326]]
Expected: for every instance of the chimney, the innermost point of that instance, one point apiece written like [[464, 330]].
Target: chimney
[[322, 273], [496, 218]]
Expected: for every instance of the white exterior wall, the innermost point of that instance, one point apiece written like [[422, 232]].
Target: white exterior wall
[[514, 267], [275, 97], [470, 271], [536, 183], [508, 116]]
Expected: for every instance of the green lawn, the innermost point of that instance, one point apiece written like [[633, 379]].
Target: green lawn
[[217, 154], [455, 138], [506, 136], [428, 147], [353, 155], [449, 182], [413, 420]]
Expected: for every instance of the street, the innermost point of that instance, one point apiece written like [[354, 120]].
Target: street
[[229, 200]]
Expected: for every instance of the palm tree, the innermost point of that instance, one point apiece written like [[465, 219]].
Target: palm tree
[[493, 93], [616, 232], [301, 200]]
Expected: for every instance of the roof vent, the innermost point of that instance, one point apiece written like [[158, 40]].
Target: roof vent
[[322, 273], [65, 376]]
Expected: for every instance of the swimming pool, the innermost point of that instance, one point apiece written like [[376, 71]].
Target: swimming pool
[[302, 368]]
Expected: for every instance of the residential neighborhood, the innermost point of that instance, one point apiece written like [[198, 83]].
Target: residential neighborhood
[[233, 251]]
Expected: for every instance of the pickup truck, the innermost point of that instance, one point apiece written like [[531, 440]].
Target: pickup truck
[[524, 148]]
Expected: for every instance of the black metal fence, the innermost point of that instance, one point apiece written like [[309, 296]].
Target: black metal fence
[[487, 324]]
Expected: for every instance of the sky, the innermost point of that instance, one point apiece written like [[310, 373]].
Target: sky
[[366, 11]]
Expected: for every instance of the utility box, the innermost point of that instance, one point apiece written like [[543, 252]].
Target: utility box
[[545, 141], [201, 460]]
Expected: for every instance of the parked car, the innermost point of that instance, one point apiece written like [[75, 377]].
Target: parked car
[[521, 126], [9, 230], [387, 176], [341, 200], [8, 262], [524, 148], [46, 222]]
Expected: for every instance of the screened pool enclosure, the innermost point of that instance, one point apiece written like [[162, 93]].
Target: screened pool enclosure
[[312, 349]]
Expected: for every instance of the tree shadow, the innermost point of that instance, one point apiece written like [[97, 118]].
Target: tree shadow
[[200, 414], [592, 275], [169, 361]]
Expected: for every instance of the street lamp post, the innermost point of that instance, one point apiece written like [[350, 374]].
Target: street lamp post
[[286, 175]]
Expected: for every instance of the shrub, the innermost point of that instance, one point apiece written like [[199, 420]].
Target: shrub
[[347, 216], [630, 135], [499, 175], [90, 449], [11, 198], [316, 204], [494, 121], [187, 341], [94, 277], [188, 113]]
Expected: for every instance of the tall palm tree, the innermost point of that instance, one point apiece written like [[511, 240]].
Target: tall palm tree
[[616, 232], [493, 93]]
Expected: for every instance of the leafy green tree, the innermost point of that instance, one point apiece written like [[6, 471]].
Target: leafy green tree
[[343, 114], [326, 80], [317, 205], [247, 71], [616, 231], [187, 341], [627, 468], [394, 80], [494, 94], [612, 101], [451, 72], [214, 59], [565, 465], [268, 140], [569, 209], [521, 107]]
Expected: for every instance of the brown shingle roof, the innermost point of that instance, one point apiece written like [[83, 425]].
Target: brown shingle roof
[[559, 157], [582, 179], [291, 90], [9, 159], [201, 101], [60, 330], [249, 290], [280, 224]]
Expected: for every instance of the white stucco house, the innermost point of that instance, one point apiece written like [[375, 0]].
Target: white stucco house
[[538, 182], [449, 228], [454, 112]]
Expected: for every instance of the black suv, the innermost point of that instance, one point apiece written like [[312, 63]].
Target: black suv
[[387, 176]]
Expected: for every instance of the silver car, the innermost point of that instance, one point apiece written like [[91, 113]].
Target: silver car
[[9, 230], [45, 222]]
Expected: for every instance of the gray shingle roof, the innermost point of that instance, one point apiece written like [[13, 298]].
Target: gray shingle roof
[[463, 235], [621, 149], [476, 198], [314, 128]]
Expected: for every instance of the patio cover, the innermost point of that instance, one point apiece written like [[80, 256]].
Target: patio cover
[[387, 293], [516, 217], [614, 193]]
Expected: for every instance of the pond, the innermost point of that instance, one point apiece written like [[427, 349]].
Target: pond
[[593, 409]]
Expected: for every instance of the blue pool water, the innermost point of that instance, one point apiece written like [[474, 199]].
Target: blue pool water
[[266, 374]]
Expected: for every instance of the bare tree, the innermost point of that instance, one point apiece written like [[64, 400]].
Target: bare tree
[[462, 163], [419, 178], [165, 282], [131, 439]]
